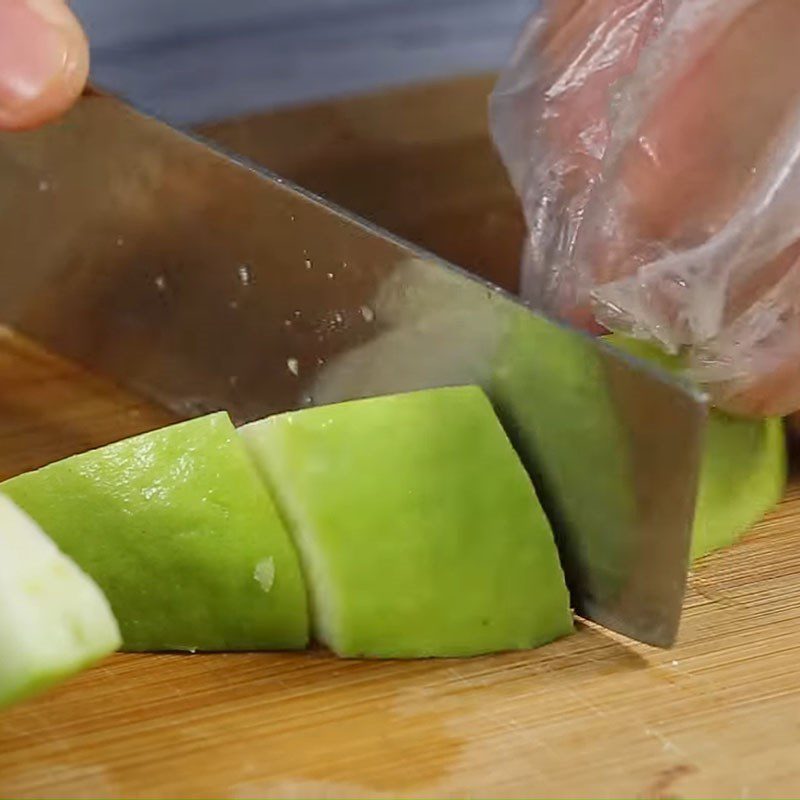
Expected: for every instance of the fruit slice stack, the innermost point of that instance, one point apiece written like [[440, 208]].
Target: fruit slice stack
[[419, 529], [401, 526]]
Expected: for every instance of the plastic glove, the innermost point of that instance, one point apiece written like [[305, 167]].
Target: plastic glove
[[655, 145]]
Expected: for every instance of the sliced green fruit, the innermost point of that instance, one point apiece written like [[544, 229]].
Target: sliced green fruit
[[743, 476], [54, 620], [419, 530], [546, 382], [744, 467], [178, 529]]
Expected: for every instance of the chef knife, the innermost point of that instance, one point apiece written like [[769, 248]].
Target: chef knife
[[202, 282]]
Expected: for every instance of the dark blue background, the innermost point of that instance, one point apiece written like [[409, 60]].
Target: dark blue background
[[195, 60]]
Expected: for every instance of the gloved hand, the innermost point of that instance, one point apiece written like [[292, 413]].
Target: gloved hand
[[44, 61], [655, 145]]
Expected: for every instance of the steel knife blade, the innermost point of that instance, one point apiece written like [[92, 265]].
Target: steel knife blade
[[203, 282]]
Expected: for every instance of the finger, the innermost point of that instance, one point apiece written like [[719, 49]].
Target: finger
[[684, 177], [753, 366], [698, 150], [44, 61], [559, 14], [591, 45], [776, 393]]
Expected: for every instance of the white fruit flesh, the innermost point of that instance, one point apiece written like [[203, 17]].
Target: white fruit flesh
[[54, 620]]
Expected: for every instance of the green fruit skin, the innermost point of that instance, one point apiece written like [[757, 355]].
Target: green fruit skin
[[173, 525], [46, 677], [54, 620], [743, 476], [545, 382], [743, 472], [420, 532]]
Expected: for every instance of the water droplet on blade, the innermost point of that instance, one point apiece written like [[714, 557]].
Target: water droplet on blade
[[367, 313], [245, 273]]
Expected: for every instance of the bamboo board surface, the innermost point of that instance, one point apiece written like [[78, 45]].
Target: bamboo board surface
[[591, 715]]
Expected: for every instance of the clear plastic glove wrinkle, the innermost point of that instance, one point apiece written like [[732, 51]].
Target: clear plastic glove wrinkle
[[655, 146]]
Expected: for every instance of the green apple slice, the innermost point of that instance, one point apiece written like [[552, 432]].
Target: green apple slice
[[742, 477], [544, 382], [54, 620], [743, 470], [418, 527], [179, 531]]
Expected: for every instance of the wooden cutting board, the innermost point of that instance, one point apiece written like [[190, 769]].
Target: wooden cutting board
[[589, 716], [592, 715]]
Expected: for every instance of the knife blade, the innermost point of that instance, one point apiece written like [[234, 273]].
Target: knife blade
[[201, 281]]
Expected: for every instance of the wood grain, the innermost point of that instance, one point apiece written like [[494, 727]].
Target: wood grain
[[590, 716]]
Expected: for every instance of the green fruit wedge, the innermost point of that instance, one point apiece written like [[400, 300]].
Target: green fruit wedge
[[546, 382], [54, 620], [743, 476], [419, 530], [743, 471], [179, 531]]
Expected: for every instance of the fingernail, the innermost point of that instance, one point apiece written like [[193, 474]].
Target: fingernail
[[33, 52]]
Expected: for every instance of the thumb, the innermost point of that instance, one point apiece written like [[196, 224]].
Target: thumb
[[44, 61]]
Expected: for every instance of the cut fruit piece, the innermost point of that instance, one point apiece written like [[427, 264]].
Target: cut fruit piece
[[544, 383], [418, 527], [743, 476], [178, 529], [744, 469], [54, 620]]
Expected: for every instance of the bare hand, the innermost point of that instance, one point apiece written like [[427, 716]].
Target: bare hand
[[44, 61]]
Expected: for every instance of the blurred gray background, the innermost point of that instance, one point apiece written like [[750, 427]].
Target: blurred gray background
[[203, 60]]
